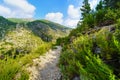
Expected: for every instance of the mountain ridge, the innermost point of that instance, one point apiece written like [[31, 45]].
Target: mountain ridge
[[42, 28]]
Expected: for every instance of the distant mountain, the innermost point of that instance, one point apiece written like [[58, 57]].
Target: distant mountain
[[48, 30], [24, 36]]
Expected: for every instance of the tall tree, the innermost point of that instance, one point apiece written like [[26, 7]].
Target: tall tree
[[85, 8], [100, 6]]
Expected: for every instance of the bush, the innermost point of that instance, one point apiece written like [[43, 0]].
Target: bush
[[9, 69], [110, 15], [100, 14], [89, 20], [81, 59]]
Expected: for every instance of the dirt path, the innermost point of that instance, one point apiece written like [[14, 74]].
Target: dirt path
[[45, 67]]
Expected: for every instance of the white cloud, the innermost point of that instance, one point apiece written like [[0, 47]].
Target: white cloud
[[73, 12], [17, 8], [73, 16], [71, 22], [55, 17], [4, 11]]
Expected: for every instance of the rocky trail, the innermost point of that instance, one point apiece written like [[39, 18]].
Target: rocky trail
[[45, 67]]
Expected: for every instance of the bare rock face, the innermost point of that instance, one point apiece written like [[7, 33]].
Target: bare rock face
[[45, 67]]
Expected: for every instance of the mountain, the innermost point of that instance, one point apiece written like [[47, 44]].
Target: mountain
[[48, 30], [27, 36], [5, 26]]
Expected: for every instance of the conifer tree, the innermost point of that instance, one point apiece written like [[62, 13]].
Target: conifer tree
[[100, 6], [85, 9]]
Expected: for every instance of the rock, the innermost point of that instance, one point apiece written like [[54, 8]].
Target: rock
[[76, 78], [2, 57], [97, 50]]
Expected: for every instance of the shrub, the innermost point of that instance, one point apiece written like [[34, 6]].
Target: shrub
[[110, 15], [100, 14], [8, 70], [79, 60], [89, 20]]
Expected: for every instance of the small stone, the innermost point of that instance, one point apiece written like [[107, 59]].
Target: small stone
[[76, 78]]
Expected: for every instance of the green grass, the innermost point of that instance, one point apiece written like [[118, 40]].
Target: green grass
[[19, 46], [10, 68]]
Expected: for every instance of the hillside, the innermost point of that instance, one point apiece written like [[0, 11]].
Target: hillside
[[21, 41], [47, 30], [92, 50], [42, 28], [27, 36]]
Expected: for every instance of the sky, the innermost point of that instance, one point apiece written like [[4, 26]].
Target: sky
[[65, 12]]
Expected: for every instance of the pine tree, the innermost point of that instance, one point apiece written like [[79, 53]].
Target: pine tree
[[100, 5], [85, 8]]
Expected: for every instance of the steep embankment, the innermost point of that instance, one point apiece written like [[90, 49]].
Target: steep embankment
[[93, 55], [46, 67]]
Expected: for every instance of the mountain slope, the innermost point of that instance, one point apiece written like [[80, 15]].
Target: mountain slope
[[5, 25], [47, 30], [96, 51], [24, 37], [20, 42]]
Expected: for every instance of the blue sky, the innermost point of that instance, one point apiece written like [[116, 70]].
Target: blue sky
[[46, 6], [65, 12]]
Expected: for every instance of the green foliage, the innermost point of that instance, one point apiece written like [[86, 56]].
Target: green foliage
[[89, 20], [110, 15], [85, 9], [42, 48], [93, 56], [12, 67], [8, 70], [100, 5], [100, 14], [24, 76], [5, 26], [87, 61]]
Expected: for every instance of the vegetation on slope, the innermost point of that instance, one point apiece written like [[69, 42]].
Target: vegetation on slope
[[20, 20], [91, 51], [47, 30]]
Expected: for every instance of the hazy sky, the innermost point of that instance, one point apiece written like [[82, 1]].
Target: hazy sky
[[66, 12]]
